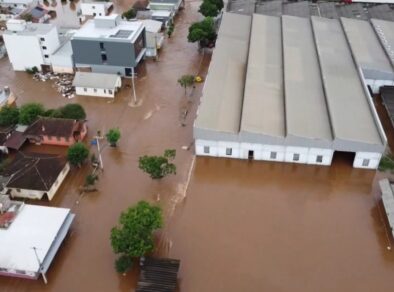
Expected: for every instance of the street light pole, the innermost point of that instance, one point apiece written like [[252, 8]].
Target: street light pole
[[133, 102], [98, 138]]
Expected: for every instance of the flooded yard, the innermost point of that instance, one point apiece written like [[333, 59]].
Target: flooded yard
[[237, 226]]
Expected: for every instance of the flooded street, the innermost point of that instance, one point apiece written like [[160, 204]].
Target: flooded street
[[238, 226]]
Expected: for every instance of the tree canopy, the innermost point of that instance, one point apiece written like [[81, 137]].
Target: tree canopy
[[133, 236], [158, 166], [129, 14], [207, 8], [9, 116], [186, 81], [72, 111], [113, 136], [77, 154], [203, 31], [29, 112]]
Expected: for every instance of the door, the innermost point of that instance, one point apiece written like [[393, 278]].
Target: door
[[250, 154], [127, 71]]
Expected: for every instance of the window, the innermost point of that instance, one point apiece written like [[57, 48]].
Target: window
[[46, 56], [319, 158], [44, 47], [365, 162], [104, 58], [105, 91], [42, 39], [85, 89], [206, 149], [102, 46], [18, 190], [229, 151], [273, 155], [296, 157], [93, 7], [109, 91], [95, 90]]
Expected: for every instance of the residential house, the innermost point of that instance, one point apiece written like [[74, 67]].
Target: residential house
[[154, 36], [96, 8], [34, 175], [30, 44], [54, 131], [107, 44], [96, 84]]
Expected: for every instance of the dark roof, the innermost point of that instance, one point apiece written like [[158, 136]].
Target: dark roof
[[158, 275], [34, 171], [53, 127], [15, 140], [4, 134]]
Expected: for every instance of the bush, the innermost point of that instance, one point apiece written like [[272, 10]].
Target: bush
[[203, 31], [123, 264], [129, 14], [77, 154], [9, 116], [207, 8], [158, 166], [30, 112], [386, 163], [72, 111], [91, 179], [113, 136], [53, 113]]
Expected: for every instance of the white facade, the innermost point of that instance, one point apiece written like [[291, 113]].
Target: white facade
[[154, 37], [38, 195], [95, 8], [100, 92], [18, 3], [30, 45], [62, 59]]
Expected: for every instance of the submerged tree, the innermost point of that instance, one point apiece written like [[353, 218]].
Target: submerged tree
[[113, 136], [202, 32], [158, 166], [129, 14], [134, 236], [186, 81], [9, 115], [30, 112], [77, 154], [73, 111]]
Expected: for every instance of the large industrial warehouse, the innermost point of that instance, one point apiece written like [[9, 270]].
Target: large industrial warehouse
[[295, 89]]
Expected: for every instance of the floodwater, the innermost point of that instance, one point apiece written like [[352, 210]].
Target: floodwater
[[235, 225]]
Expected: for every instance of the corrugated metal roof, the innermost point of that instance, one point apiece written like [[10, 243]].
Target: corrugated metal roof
[[350, 113], [95, 80], [300, 9], [263, 108], [306, 110], [385, 32], [221, 103]]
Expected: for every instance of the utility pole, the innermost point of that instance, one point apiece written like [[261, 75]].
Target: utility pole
[[98, 137], [133, 102], [40, 265]]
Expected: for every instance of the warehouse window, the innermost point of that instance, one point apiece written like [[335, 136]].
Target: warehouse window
[[273, 155], [44, 47], [42, 39], [102, 46], [85, 89], [365, 162], [206, 149], [296, 157], [46, 56], [229, 151], [110, 91], [319, 158]]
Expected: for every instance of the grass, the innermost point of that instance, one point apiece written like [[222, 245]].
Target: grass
[[387, 163]]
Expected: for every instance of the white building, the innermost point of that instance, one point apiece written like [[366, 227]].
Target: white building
[[287, 89], [154, 36], [35, 176], [168, 5], [30, 242], [95, 8], [96, 84], [40, 39], [62, 59]]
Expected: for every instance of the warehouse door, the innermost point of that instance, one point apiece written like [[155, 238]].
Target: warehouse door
[[250, 154]]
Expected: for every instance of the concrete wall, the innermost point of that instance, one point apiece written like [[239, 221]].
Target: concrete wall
[[94, 9], [56, 185], [318, 156], [95, 92], [367, 160]]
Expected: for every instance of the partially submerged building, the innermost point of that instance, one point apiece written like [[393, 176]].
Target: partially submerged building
[[30, 237], [107, 44], [96, 84], [289, 89], [34, 175], [56, 131]]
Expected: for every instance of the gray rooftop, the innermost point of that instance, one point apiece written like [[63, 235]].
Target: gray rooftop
[[263, 108], [273, 8], [221, 103], [95, 80], [300, 9], [350, 113], [328, 10], [306, 110], [33, 29], [367, 50], [383, 12], [354, 10], [385, 31]]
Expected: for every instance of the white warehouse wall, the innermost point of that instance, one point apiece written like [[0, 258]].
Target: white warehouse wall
[[94, 92], [369, 158]]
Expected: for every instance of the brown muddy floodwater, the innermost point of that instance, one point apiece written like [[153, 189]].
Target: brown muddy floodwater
[[241, 227]]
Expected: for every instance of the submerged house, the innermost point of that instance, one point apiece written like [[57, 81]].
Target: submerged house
[[34, 175], [54, 131], [96, 84]]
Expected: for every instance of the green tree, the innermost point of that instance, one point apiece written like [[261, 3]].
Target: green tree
[[170, 29], [91, 179], [158, 166], [53, 113], [202, 32], [133, 237], [73, 111], [113, 136], [77, 154], [129, 14], [218, 3], [30, 112], [123, 264], [9, 115], [207, 8], [186, 81]]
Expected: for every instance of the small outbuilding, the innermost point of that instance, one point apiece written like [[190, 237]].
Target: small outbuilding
[[97, 84], [154, 37]]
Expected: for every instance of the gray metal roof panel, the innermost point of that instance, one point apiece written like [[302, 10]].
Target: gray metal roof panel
[[95, 80], [355, 10], [300, 9], [306, 109], [349, 110], [263, 108], [385, 31], [382, 11]]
